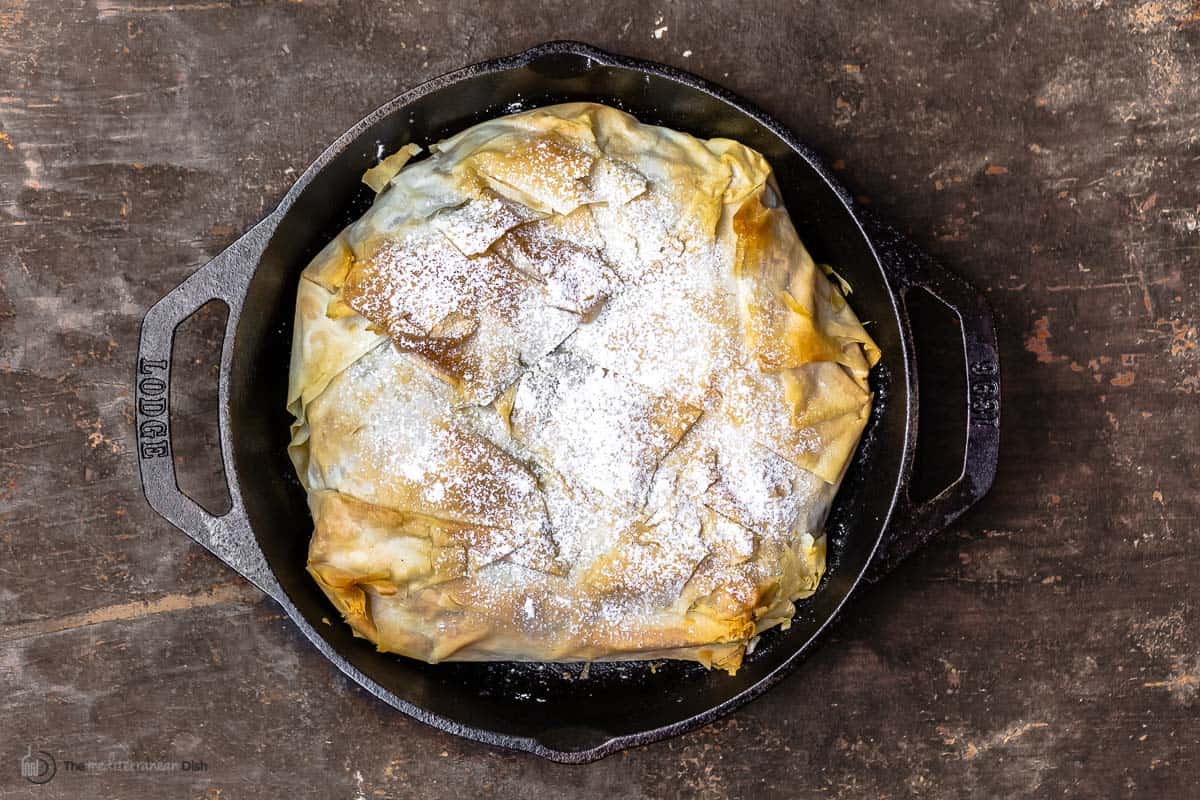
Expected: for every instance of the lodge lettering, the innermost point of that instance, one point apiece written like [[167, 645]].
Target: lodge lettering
[[152, 387], [152, 406], [985, 394], [152, 429], [147, 364], [152, 409]]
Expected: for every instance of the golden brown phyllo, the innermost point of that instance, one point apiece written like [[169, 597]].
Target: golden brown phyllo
[[572, 389]]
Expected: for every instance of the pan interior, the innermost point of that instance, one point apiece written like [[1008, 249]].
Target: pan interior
[[552, 703]]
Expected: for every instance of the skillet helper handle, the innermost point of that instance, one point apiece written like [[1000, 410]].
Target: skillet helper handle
[[229, 536], [915, 523]]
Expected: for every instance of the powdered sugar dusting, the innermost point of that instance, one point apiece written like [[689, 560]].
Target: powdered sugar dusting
[[401, 447], [415, 285], [596, 427], [570, 394], [547, 170], [565, 253], [475, 225]]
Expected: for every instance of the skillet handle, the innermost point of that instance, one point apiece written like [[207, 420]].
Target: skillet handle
[[913, 524], [229, 536]]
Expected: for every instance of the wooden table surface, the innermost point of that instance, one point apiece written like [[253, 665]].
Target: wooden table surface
[[1049, 151]]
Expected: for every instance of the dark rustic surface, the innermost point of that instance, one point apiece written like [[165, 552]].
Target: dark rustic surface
[[1048, 150]]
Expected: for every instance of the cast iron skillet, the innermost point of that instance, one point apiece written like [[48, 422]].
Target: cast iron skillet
[[551, 710]]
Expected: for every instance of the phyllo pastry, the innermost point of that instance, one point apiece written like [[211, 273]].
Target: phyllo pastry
[[572, 389]]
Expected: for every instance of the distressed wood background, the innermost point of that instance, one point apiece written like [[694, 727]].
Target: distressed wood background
[[1048, 150]]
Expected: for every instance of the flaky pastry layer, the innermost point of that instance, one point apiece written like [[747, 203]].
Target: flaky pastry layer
[[572, 389]]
